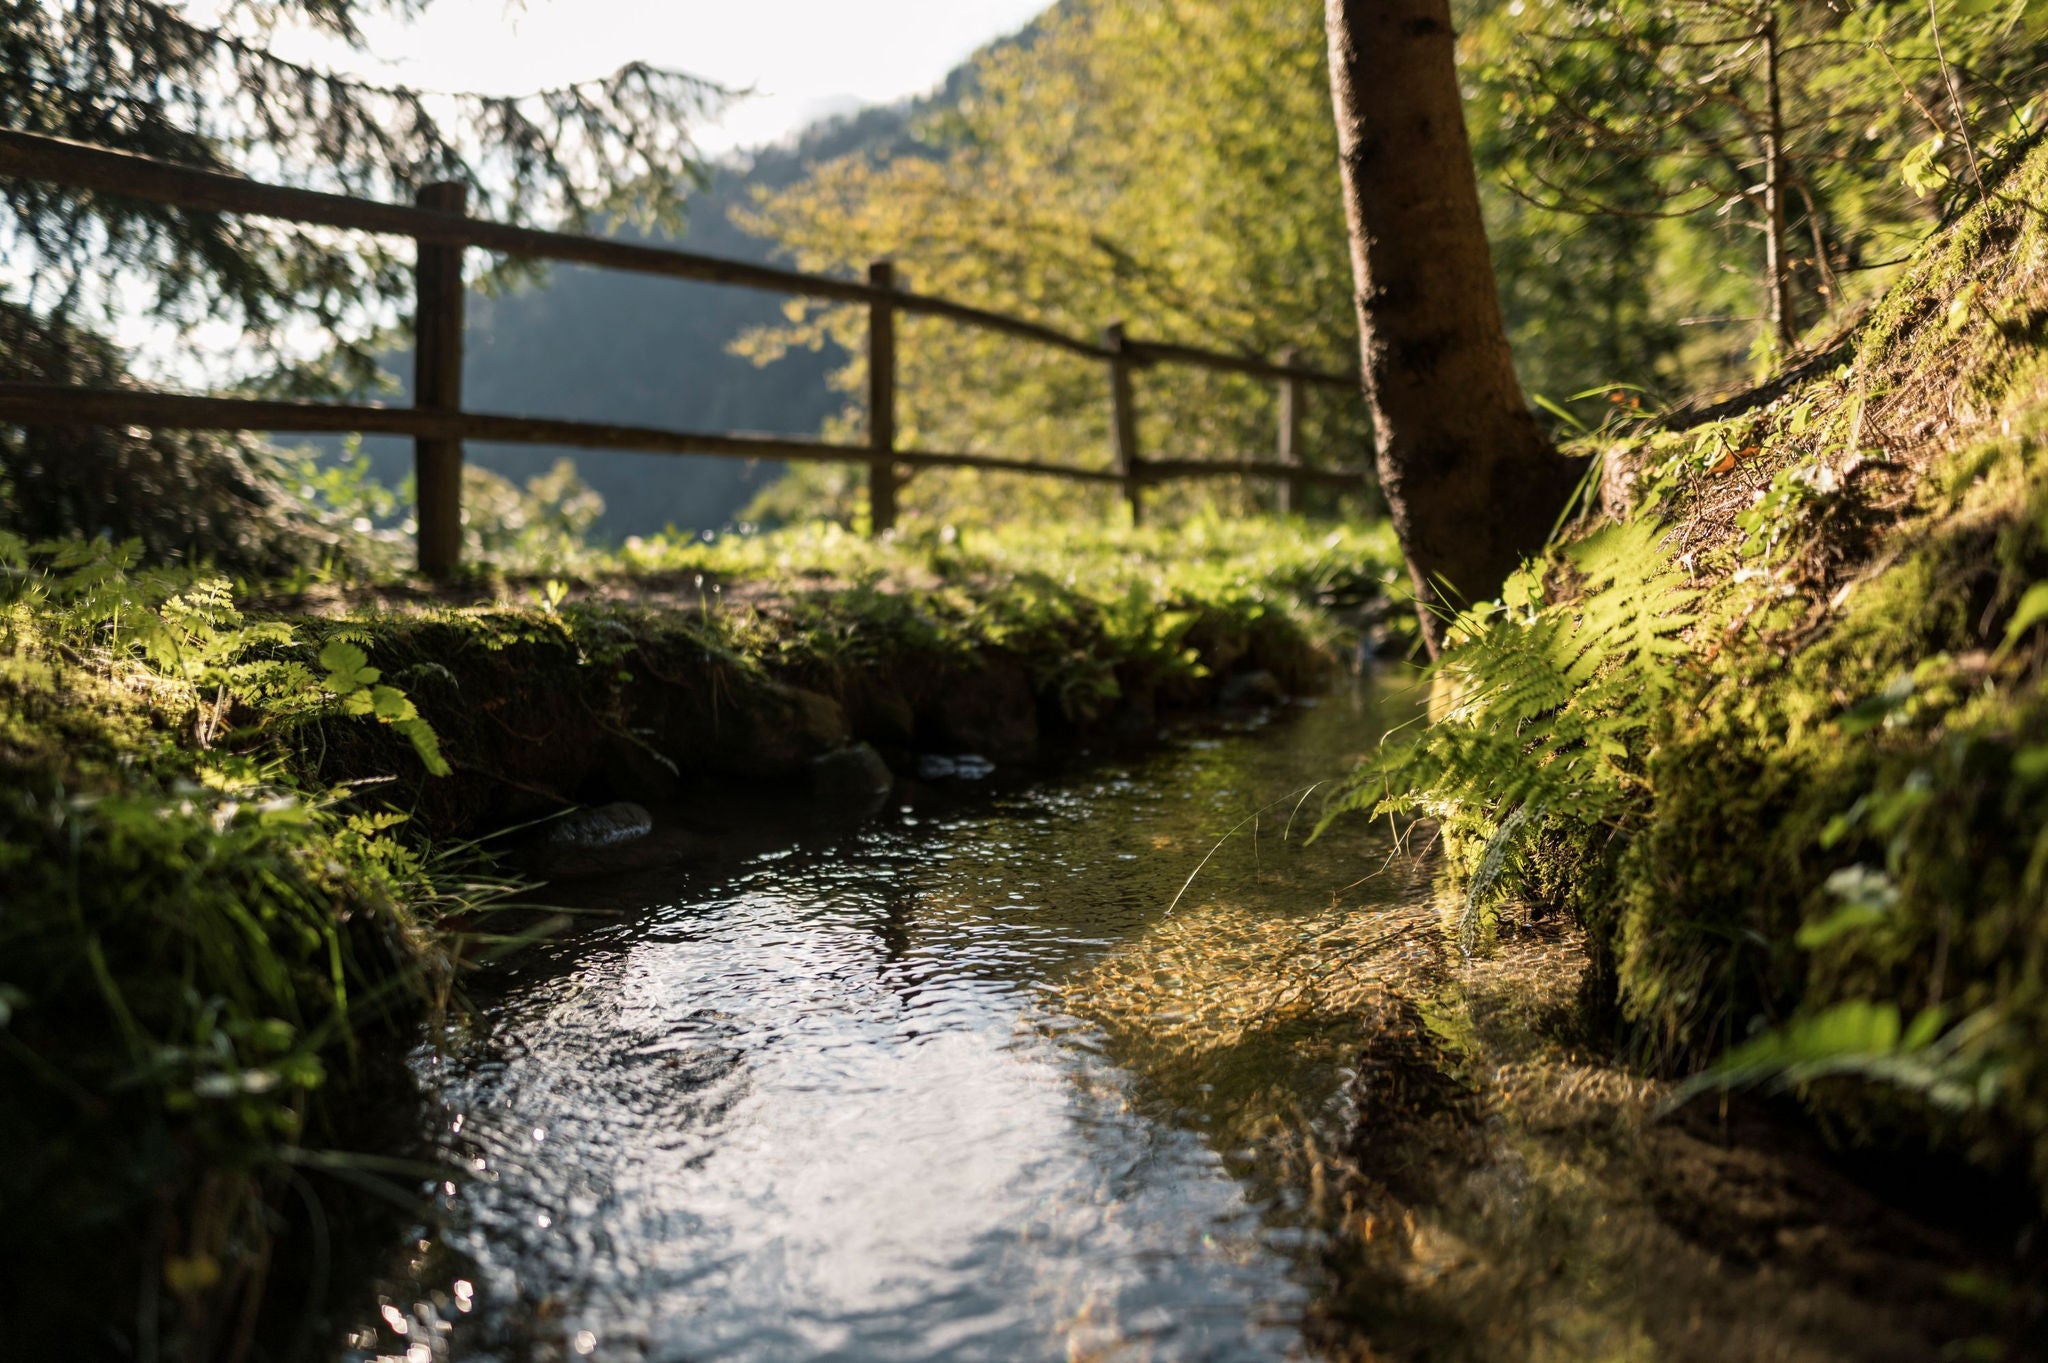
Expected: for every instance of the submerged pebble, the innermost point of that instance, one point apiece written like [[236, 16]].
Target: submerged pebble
[[964, 767]]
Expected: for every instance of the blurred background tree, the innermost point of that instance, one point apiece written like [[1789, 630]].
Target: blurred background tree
[[1679, 194], [1725, 180], [1168, 164], [274, 307]]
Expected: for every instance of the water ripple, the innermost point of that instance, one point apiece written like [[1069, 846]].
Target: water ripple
[[845, 1105]]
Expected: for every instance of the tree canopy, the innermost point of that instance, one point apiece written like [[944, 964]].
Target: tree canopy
[[1170, 163], [1720, 177]]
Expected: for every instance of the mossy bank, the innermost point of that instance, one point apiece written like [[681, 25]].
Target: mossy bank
[[688, 667], [1771, 720]]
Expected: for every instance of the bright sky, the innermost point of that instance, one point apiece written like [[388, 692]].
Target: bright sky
[[804, 58]]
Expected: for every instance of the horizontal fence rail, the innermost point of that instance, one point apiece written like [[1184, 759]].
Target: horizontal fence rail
[[24, 403], [442, 229]]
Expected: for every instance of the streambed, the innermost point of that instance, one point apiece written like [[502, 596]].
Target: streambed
[[988, 1077]]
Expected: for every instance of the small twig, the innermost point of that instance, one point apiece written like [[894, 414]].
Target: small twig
[[1297, 808], [1251, 818], [1955, 100]]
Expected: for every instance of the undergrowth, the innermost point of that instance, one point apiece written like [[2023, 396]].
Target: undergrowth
[[1209, 555], [1090, 609], [196, 942], [1776, 731]]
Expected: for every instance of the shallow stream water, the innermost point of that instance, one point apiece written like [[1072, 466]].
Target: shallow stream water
[[1065, 1070], [881, 1095]]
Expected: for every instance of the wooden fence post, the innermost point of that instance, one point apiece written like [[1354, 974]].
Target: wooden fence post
[[437, 385], [1123, 424], [881, 401], [1293, 491]]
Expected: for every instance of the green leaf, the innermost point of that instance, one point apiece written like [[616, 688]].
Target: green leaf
[[1922, 169], [2032, 610], [391, 704], [1871, 711], [426, 743], [348, 668], [2031, 763], [1867, 898], [1867, 1040]]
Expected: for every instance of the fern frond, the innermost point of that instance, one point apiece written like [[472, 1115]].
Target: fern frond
[[1550, 703]]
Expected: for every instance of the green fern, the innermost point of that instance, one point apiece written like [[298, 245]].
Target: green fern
[[183, 630], [1544, 705], [1955, 1069]]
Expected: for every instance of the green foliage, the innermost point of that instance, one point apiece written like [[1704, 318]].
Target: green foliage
[[307, 311], [193, 936], [187, 496], [1651, 124], [1542, 707], [1863, 1040], [1092, 611], [1166, 163], [183, 632], [356, 685], [347, 487], [1774, 859], [1169, 164], [542, 526], [1010, 585]]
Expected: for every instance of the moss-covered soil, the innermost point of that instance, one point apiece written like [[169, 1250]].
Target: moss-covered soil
[[688, 666], [1844, 805], [1772, 725]]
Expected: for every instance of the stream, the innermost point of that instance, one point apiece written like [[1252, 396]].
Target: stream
[[1057, 1070]]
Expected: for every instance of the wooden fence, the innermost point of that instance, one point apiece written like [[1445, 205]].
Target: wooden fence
[[442, 230]]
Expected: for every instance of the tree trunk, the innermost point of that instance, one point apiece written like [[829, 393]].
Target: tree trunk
[[1777, 269], [1473, 484]]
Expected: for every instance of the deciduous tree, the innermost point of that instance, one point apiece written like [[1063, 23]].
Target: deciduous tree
[[1165, 163], [1783, 150]]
